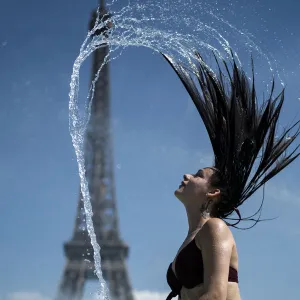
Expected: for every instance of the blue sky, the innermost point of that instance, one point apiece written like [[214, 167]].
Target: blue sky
[[158, 137]]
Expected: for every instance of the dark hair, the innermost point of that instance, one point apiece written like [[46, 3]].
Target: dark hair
[[238, 130], [216, 181]]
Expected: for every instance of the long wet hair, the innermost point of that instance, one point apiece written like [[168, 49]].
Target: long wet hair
[[239, 130]]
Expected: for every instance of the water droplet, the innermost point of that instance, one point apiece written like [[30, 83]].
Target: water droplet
[[119, 166], [82, 227]]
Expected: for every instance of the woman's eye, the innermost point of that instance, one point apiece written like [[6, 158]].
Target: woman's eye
[[199, 174]]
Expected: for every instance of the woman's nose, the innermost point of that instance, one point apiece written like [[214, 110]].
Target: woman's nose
[[186, 176]]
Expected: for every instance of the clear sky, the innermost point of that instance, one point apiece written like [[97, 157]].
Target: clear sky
[[158, 136]]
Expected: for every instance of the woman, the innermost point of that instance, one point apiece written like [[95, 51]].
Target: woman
[[206, 265]]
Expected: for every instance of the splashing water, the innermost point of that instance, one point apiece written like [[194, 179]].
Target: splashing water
[[176, 30]]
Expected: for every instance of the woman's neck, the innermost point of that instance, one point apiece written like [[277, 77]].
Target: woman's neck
[[195, 219]]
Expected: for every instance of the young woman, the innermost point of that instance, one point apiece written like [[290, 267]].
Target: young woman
[[206, 265]]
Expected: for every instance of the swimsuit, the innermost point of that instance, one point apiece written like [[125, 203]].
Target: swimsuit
[[189, 270]]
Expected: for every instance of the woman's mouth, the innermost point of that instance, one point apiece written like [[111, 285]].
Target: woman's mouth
[[182, 184]]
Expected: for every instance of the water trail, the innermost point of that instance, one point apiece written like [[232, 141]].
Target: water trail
[[176, 30]]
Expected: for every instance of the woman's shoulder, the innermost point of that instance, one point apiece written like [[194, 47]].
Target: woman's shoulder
[[215, 225], [215, 229]]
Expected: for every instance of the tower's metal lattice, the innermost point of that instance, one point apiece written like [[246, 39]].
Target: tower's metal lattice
[[99, 170]]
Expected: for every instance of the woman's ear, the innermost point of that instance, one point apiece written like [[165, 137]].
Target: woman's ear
[[213, 194]]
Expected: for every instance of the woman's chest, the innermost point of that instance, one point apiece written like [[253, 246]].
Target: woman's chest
[[188, 266], [182, 252]]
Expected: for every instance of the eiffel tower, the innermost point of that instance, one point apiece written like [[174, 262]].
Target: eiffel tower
[[99, 171]]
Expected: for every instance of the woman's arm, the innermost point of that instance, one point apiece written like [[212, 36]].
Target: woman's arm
[[216, 242]]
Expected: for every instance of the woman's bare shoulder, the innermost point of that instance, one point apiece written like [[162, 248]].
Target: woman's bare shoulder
[[215, 230]]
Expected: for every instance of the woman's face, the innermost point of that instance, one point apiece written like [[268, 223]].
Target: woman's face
[[193, 188]]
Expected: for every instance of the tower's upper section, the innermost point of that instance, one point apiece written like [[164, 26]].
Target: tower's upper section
[[102, 4], [104, 15]]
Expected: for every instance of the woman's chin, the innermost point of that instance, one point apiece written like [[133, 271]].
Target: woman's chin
[[178, 191]]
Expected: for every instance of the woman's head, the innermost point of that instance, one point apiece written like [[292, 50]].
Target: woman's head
[[203, 189]]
